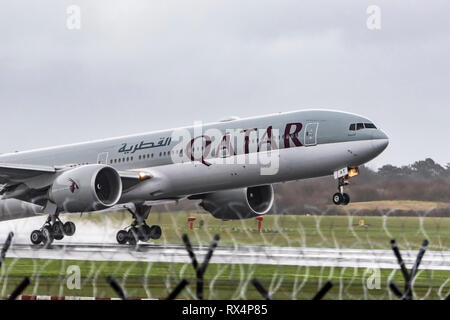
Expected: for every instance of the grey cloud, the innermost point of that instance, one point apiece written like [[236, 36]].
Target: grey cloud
[[146, 65]]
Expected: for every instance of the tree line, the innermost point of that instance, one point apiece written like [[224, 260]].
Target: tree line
[[423, 180]]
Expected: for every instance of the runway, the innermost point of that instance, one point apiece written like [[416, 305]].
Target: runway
[[292, 256]]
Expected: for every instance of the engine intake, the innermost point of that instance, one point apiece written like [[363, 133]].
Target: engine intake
[[243, 203], [87, 188]]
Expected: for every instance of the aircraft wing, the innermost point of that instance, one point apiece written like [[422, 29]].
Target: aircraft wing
[[16, 173], [12, 174], [132, 178]]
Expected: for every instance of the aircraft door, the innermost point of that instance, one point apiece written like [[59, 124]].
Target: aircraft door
[[311, 134], [102, 158]]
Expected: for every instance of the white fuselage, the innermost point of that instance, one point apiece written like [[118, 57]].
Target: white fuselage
[[321, 145]]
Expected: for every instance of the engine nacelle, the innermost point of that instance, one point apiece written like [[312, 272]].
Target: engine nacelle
[[86, 188], [243, 203]]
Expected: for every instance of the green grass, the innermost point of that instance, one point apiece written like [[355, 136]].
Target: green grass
[[296, 230], [156, 280]]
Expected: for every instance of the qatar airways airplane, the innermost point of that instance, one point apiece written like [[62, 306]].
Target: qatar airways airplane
[[229, 166]]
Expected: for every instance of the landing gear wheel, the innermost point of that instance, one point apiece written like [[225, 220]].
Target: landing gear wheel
[[36, 237], [52, 229], [58, 230], [346, 199], [338, 198], [47, 237], [122, 237], [155, 232], [139, 230], [144, 233], [69, 228], [132, 237]]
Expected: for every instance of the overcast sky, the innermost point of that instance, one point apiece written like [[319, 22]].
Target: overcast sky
[[137, 66]]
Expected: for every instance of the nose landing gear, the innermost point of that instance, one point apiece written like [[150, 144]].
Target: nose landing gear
[[341, 198], [343, 175]]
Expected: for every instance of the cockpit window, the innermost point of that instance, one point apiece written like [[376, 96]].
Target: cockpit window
[[360, 126], [370, 126]]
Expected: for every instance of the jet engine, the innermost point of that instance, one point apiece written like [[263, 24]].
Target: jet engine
[[86, 188], [243, 203]]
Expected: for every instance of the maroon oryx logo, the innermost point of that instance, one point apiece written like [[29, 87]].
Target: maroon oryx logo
[[73, 185]]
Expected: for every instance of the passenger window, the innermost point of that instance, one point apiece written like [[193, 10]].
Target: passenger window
[[352, 127], [360, 126]]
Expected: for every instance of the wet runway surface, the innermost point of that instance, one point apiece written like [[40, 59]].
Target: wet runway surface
[[294, 256]]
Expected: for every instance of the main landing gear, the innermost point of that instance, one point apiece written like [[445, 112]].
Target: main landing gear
[[139, 230], [341, 198], [53, 229]]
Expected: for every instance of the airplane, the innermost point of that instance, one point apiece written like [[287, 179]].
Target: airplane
[[229, 165]]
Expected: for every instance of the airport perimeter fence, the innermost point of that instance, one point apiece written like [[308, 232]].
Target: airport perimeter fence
[[306, 256]]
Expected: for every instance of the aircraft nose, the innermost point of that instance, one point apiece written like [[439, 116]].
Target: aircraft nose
[[380, 142], [383, 135]]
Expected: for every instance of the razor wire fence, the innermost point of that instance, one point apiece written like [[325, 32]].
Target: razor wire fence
[[304, 256]]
